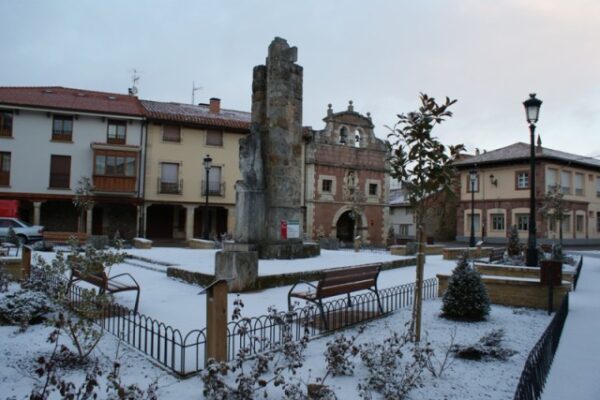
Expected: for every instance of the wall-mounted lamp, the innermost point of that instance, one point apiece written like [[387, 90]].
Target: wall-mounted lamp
[[493, 180]]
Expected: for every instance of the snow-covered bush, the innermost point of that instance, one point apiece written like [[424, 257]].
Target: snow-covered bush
[[4, 278], [42, 245], [513, 246], [11, 237], [25, 307], [489, 346], [466, 296], [338, 353], [394, 367]]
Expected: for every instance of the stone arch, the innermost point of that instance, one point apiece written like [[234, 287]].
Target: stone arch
[[364, 223], [358, 137], [343, 134]]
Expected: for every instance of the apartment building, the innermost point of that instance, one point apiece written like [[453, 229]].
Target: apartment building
[[501, 194], [180, 137], [50, 137]]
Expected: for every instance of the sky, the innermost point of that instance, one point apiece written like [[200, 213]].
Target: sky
[[489, 55]]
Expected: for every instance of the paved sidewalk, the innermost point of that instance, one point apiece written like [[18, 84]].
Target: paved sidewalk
[[575, 371]]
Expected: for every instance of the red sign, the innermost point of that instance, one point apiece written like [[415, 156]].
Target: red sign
[[283, 229]]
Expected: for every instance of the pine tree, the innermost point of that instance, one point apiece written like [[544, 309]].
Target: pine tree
[[466, 296], [11, 237], [514, 244]]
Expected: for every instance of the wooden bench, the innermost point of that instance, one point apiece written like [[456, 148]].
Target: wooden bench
[[334, 282], [63, 237], [104, 283], [496, 254]]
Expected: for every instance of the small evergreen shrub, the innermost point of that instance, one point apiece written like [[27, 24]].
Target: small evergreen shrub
[[466, 297], [24, 308], [11, 237], [514, 244]]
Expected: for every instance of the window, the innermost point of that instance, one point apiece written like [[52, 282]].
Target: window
[[169, 178], [4, 169], [62, 128], [522, 180], [522, 222], [598, 186], [579, 223], [117, 131], [598, 222], [472, 184], [476, 223], [373, 189], [171, 133], [497, 222], [566, 224], [552, 225], [113, 165], [326, 185], [214, 181], [60, 172], [579, 179], [551, 174], [565, 182], [6, 122], [343, 135], [357, 137], [403, 229], [214, 137]]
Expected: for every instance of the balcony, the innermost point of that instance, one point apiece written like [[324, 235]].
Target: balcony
[[214, 189], [170, 187], [114, 184]]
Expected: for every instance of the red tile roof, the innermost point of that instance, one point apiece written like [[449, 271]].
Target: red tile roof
[[197, 115], [60, 98]]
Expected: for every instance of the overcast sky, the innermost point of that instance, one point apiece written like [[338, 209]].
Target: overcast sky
[[487, 54]]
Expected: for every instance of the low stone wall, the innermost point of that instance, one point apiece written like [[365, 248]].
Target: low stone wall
[[13, 267], [140, 243], [430, 249], [270, 281], [454, 253], [514, 292], [201, 244], [512, 271]]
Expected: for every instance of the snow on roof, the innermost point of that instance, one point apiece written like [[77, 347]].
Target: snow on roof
[[197, 114], [521, 151]]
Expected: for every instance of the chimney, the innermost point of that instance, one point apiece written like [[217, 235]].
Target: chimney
[[215, 105]]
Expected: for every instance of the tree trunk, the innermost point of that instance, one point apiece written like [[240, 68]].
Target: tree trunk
[[418, 293]]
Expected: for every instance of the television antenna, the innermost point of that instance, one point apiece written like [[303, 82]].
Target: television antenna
[[194, 89], [135, 77]]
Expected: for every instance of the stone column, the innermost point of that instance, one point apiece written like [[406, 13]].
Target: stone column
[[138, 215], [189, 221], [88, 221], [145, 218], [37, 206], [231, 218]]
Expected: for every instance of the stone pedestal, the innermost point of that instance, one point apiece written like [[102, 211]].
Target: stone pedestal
[[240, 268]]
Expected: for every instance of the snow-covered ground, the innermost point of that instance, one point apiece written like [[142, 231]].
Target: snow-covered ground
[[178, 304], [204, 260]]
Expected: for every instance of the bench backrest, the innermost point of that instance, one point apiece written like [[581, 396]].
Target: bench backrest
[[496, 254], [64, 236], [99, 278], [341, 281]]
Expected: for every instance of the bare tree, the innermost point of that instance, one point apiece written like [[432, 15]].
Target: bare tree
[[424, 164], [83, 200], [555, 209]]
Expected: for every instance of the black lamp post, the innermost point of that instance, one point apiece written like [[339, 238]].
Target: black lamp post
[[473, 177], [207, 165], [532, 110]]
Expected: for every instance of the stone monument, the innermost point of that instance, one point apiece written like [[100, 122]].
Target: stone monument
[[269, 219]]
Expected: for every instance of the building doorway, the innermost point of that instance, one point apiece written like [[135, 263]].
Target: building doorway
[[345, 227]]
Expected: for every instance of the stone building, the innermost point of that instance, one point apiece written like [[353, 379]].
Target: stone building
[[346, 180]]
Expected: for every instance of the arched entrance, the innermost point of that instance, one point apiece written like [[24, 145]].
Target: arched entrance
[[345, 227]]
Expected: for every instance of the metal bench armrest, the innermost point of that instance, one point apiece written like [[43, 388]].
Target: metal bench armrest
[[125, 274]]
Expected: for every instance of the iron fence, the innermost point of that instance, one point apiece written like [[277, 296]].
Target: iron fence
[[185, 354], [577, 272], [537, 366]]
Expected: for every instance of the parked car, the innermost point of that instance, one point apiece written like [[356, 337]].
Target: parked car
[[25, 232]]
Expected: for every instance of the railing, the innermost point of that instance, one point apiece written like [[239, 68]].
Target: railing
[[214, 188], [170, 187], [184, 355], [577, 272], [537, 366]]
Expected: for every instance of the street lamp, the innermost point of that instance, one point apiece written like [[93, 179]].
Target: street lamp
[[532, 111], [473, 178], [207, 165]]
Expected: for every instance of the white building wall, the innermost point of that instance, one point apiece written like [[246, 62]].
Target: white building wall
[[31, 147]]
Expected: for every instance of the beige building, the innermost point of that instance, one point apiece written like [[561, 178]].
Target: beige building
[[179, 137], [501, 194]]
